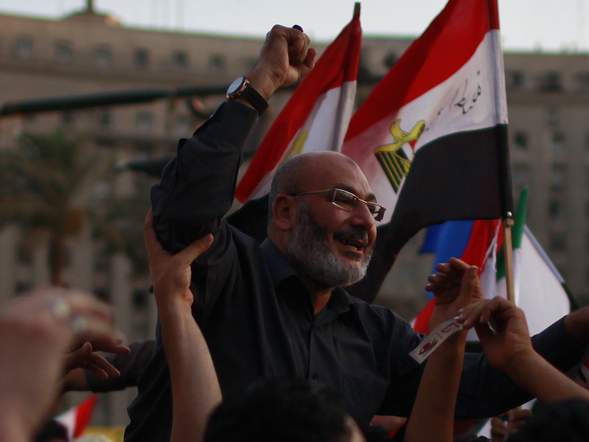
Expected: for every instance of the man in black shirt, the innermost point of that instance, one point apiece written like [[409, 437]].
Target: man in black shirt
[[278, 309]]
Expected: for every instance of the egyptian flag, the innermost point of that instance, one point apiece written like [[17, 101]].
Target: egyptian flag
[[76, 419], [317, 115], [431, 137]]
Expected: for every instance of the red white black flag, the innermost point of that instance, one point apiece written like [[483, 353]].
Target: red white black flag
[[431, 137]]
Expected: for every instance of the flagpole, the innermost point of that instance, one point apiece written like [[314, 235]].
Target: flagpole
[[508, 255], [503, 150]]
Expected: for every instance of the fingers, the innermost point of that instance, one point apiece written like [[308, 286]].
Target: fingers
[[152, 245], [194, 250], [447, 275], [75, 358], [309, 61], [110, 345], [98, 363], [300, 55], [469, 287], [470, 315], [298, 45]]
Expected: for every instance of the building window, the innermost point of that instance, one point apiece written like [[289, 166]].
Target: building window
[[552, 116], [550, 82], [180, 59], [217, 62], [557, 242], [582, 80], [390, 59], [183, 125], [23, 47], [515, 79], [67, 118], [520, 139], [103, 55], [64, 51], [559, 176], [141, 57], [520, 175], [144, 120], [555, 209], [558, 140], [105, 119]]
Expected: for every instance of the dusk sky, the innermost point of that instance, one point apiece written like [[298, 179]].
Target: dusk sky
[[526, 24]]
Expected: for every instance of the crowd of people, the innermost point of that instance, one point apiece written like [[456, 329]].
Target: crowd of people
[[261, 341]]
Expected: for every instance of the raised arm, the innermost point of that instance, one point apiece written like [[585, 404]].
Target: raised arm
[[438, 389], [197, 187], [509, 349], [195, 387]]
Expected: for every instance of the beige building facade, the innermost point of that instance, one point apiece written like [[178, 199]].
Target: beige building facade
[[91, 53]]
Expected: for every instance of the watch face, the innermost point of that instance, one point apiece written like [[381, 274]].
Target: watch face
[[235, 85]]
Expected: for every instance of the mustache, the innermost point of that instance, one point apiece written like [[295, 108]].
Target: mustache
[[359, 234]]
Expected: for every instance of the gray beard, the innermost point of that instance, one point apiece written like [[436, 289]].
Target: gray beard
[[311, 257]]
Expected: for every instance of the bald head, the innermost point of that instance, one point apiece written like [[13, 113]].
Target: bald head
[[301, 169]]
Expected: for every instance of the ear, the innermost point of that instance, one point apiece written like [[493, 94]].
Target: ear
[[284, 212]]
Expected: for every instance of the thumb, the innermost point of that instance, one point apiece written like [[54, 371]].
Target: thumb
[[197, 248]]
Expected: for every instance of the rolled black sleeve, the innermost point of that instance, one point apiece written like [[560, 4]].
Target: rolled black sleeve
[[196, 189]]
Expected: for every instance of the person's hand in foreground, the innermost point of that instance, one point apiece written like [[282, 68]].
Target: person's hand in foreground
[[447, 284], [195, 387], [284, 60], [84, 354], [35, 333], [503, 334]]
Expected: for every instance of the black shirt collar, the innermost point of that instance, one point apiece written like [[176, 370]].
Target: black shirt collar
[[280, 270]]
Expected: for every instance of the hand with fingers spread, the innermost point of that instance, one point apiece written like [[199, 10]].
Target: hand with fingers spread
[[502, 331], [83, 354], [35, 333], [455, 284], [285, 59]]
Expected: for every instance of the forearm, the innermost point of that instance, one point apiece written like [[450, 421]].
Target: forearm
[[436, 396], [534, 374], [197, 187], [195, 387]]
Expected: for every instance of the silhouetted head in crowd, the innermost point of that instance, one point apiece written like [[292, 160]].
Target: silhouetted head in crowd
[[566, 421], [277, 411]]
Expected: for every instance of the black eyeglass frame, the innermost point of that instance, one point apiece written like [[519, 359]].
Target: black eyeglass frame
[[375, 209]]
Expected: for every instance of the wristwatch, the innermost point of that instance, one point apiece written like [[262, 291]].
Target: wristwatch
[[242, 88]]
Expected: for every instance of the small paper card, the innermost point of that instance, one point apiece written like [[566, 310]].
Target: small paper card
[[432, 341]]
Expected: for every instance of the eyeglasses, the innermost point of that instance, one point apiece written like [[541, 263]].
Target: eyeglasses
[[347, 201]]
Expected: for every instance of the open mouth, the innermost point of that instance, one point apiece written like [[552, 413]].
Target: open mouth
[[354, 245]]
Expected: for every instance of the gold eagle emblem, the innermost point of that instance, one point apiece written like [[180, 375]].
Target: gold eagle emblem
[[392, 158]]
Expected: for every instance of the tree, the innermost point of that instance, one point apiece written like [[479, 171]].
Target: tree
[[44, 181]]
